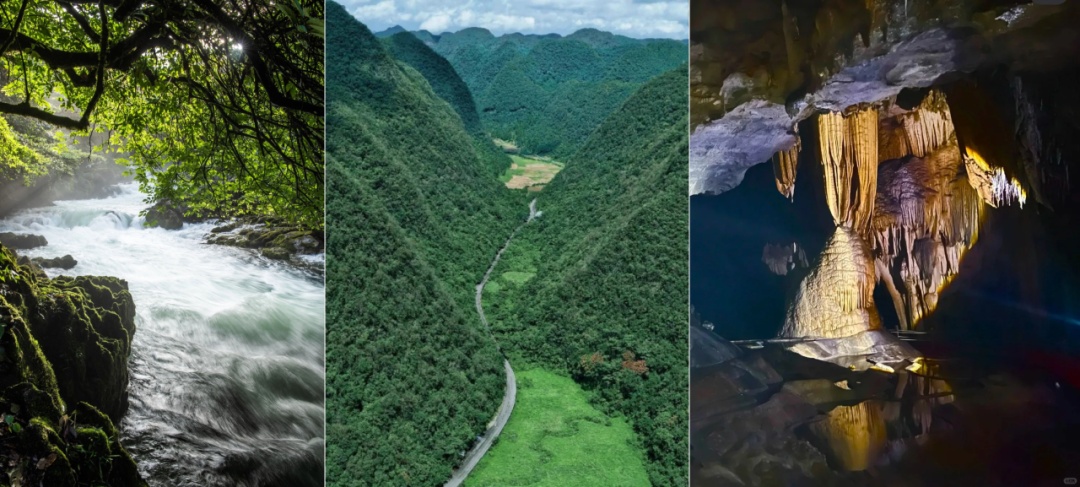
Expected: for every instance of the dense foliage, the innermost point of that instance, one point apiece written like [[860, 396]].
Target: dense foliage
[[413, 220], [445, 82], [548, 93], [218, 102], [605, 276]]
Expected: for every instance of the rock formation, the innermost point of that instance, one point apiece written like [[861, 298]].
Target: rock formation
[[65, 262], [784, 165], [65, 346], [275, 238], [836, 299], [22, 241]]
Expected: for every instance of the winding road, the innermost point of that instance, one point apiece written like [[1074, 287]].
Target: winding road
[[472, 458]]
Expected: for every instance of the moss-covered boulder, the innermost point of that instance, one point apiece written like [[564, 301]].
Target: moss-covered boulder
[[275, 238], [43, 446], [63, 342], [84, 326]]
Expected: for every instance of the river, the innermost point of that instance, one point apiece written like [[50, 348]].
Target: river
[[227, 366]]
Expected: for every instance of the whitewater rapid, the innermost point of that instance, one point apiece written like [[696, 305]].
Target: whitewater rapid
[[227, 366]]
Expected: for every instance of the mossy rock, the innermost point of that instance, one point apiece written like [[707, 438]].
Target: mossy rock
[[82, 325], [44, 447], [63, 341], [165, 215], [86, 325], [276, 253]]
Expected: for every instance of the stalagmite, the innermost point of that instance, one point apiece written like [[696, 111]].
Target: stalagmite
[[785, 164], [836, 299]]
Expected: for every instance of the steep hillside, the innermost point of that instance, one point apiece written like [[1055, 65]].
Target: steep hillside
[[548, 93], [413, 218], [597, 286], [444, 81]]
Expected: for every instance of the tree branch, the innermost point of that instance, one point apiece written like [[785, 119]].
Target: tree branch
[[15, 29], [29, 111]]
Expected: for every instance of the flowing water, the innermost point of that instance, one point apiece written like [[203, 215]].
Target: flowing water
[[227, 361]]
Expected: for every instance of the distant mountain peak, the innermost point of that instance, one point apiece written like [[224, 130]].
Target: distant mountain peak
[[391, 31], [475, 32], [597, 37]]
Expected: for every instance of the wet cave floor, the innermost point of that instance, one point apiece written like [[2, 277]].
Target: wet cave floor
[[769, 417]]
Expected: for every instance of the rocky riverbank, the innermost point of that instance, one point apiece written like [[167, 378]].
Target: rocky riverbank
[[64, 349], [272, 237]]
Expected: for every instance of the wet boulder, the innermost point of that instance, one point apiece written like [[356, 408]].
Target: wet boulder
[[276, 253], [66, 344], [22, 240], [166, 215], [65, 262]]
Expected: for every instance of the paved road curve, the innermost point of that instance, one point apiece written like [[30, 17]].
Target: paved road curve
[[472, 458]]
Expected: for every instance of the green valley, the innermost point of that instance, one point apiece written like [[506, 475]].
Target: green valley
[[548, 93], [596, 287], [427, 182]]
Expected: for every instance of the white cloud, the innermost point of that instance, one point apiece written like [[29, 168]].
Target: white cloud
[[437, 23], [375, 11], [644, 18]]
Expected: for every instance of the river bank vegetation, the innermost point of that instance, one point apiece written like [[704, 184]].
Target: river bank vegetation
[[213, 106], [217, 105]]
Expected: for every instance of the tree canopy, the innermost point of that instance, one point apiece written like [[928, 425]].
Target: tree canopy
[[219, 103], [414, 217], [547, 94]]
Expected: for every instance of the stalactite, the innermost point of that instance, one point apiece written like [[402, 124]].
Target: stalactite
[[838, 172], [861, 143], [917, 132], [785, 164], [926, 218], [991, 183], [927, 130], [848, 153], [783, 258]]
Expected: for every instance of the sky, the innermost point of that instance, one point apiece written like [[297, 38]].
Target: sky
[[631, 18]]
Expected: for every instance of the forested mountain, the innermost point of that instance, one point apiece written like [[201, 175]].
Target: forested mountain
[[548, 93], [444, 81], [414, 217], [608, 301]]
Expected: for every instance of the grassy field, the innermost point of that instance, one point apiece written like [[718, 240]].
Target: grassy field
[[531, 173], [556, 438]]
